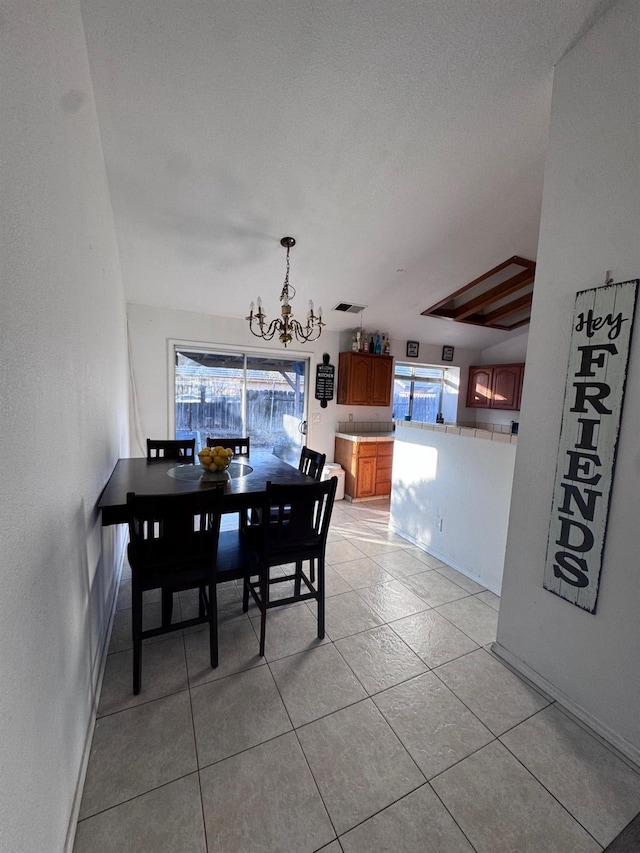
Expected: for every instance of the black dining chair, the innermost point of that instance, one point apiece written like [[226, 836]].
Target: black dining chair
[[293, 531], [173, 541], [240, 446], [312, 462], [181, 449]]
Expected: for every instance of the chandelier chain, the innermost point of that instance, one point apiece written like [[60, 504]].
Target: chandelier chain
[[288, 290], [286, 326]]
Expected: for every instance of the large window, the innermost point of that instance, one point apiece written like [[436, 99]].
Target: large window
[[422, 391], [225, 394]]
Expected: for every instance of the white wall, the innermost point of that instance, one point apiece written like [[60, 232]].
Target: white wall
[[511, 351], [150, 330], [465, 482], [429, 353], [590, 223], [63, 416]]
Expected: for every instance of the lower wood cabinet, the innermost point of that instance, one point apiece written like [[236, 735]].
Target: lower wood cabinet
[[367, 466], [384, 465]]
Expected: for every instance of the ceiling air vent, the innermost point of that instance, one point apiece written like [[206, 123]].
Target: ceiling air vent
[[349, 307]]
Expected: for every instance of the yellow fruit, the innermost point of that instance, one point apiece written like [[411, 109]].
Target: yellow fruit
[[229, 451]]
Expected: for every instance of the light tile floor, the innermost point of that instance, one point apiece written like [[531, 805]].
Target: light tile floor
[[399, 732]]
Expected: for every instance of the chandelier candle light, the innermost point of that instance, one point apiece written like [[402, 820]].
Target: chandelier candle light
[[286, 326]]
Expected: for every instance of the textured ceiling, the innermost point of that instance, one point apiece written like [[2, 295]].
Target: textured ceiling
[[401, 143]]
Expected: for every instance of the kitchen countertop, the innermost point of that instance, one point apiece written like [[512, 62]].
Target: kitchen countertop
[[454, 429], [366, 436]]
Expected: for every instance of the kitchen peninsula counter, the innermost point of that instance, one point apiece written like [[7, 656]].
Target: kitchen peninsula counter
[[451, 494], [467, 431], [366, 436]]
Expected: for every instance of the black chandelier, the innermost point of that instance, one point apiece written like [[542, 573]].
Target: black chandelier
[[285, 326]]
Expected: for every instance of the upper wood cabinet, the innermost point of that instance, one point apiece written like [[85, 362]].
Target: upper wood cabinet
[[507, 386], [364, 379], [479, 390], [495, 386]]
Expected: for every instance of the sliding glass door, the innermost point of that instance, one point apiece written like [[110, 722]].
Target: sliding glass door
[[238, 394]]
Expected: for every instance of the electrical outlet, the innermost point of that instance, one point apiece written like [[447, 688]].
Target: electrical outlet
[[316, 418], [350, 416]]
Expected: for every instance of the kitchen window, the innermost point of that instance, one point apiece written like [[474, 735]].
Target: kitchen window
[[422, 391]]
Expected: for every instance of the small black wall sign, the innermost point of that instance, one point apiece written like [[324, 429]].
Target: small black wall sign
[[447, 353], [325, 381], [598, 359]]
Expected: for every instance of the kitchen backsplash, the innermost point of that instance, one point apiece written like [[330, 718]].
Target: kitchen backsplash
[[507, 428], [359, 427], [364, 426]]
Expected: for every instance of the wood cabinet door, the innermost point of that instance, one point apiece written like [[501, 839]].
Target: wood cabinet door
[[480, 384], [366, 477], [364, 379], [384, 467], [507, 381], [383, 475], [380, 381], [343, 377], [521, 383], [359, 380]]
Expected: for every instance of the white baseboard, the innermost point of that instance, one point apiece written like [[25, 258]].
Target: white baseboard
[[97, 688], [627, 751], [445, 559]]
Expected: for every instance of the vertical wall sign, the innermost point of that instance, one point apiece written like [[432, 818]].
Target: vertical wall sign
[[598, 359], [325, 381]]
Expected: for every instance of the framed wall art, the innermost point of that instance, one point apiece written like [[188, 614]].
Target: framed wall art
[[412, 349], [447, 353]]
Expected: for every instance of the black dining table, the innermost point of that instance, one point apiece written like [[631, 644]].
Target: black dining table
[[245, 482]]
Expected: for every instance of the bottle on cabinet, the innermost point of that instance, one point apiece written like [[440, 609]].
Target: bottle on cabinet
[[376, 343]]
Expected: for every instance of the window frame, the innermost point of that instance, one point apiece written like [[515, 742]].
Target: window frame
[[176, 344], [413, 379]]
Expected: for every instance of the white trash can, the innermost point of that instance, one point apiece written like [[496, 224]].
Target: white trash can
[[332, 469]]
